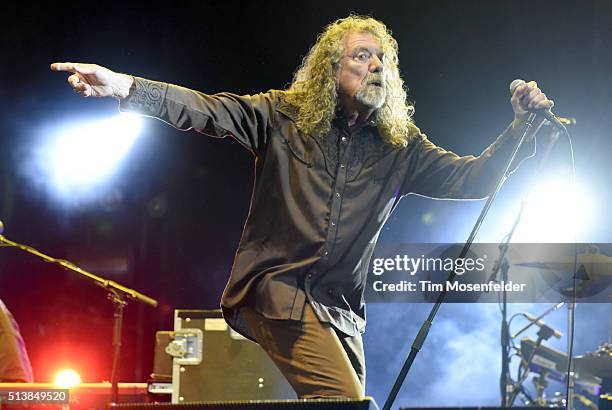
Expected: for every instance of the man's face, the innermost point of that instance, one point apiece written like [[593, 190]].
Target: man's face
[[360, 76]]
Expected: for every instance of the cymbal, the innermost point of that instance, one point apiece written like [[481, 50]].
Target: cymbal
[[595, 264]]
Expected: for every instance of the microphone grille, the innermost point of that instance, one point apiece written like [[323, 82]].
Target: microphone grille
[[514, 84]]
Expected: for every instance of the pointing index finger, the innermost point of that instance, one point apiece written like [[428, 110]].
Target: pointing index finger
[[71, 67]]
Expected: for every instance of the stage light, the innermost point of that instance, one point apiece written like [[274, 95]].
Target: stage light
[[83, 156], [553, 213], [67, 379]]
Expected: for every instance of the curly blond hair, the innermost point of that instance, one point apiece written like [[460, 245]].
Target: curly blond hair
[[313, 90]]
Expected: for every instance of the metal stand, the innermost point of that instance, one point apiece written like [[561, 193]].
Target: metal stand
[[502, 264], [571, 308], [422, 334], [116, 293], [119, 304], [505, 337], [541, 383]]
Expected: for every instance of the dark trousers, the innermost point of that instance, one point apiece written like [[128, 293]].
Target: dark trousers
[[316, 360]]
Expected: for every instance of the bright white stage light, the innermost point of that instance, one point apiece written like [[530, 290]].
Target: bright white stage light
[[553, 213], [83, 156], [67, 379]]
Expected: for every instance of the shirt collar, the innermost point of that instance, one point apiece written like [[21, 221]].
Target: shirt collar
[[341, 122]]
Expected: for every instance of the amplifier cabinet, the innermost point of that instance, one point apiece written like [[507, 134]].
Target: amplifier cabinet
[[211, 362]]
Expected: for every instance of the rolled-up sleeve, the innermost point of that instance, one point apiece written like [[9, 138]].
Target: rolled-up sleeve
[[438, 173], [246, 118]]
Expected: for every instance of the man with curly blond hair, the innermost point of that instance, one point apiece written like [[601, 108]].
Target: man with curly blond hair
[[334, 154]]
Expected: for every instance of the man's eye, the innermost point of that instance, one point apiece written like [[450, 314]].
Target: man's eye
[[362, 57]]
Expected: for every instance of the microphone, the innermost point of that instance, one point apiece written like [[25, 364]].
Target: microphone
[[567, 121], [547, 113], [541, 324]]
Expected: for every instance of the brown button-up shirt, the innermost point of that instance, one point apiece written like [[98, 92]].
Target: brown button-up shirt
[[318, 204]]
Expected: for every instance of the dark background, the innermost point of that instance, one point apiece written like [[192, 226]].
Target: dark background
[[173, 211]]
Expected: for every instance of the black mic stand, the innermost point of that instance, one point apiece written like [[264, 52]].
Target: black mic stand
[[502, 264], [117, 294], [419, 340]]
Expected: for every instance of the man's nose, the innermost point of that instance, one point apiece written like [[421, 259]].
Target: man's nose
[[376, 66]]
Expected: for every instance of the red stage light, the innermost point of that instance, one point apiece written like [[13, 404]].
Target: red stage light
[[67, 378]]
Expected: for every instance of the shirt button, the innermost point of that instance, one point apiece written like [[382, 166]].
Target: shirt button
[[343, 139], [338, 194], [309, 275], [330, 291], [333, 223], [326, 253], [341, 165]]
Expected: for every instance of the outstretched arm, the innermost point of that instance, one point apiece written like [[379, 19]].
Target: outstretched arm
[[246, 118]]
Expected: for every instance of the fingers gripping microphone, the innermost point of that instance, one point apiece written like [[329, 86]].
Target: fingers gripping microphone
[[547, 113]]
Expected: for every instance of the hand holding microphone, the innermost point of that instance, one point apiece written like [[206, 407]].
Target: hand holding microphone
[[528, 98]]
